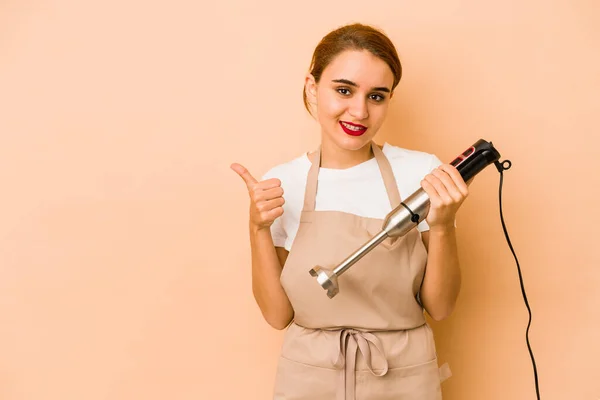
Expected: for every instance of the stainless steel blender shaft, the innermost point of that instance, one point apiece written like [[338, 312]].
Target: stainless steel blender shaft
[[397, 223]]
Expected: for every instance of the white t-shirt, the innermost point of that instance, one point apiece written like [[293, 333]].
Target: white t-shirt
[[356, 190]]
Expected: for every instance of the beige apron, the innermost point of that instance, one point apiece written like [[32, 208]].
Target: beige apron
[[371, 341]]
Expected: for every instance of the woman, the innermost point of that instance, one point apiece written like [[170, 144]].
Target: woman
[[371, 341]]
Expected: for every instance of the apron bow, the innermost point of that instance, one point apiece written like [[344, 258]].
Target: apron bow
[[350, 342]]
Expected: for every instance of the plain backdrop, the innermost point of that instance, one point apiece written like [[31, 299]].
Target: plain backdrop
[[124, 252]]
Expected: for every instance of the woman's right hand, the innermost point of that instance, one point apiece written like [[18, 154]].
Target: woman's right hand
[[266, 198]]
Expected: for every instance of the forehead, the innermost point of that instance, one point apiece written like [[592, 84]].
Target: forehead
[[361, 67]]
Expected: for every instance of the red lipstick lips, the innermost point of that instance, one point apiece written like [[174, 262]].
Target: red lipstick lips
[[353, 129]]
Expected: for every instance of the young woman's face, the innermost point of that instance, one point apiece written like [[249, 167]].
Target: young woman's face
[[352, 98]]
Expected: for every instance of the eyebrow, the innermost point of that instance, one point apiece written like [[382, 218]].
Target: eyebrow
[[350, 83]]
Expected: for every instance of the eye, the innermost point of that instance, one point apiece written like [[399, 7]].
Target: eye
[[377, 97], [343, 91]]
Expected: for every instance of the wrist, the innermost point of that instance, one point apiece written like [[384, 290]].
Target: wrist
[[257, 229], [442, 229]]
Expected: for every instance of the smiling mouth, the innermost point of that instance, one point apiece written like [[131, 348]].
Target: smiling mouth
[[353, 130]]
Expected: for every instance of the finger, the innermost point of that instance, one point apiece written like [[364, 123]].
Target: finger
[[449, 184], [244, 174], [273, 214], [268, 205], [431, 191], [268, 184], [269, 194], [440, 188], [457, 178]]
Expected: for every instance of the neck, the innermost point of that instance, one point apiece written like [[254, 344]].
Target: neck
[[335, 157]]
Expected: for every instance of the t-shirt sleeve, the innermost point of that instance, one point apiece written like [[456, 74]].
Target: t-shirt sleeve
[[434, 162], [278, 232]]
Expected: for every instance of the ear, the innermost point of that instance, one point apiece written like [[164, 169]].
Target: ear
[[310, 87]]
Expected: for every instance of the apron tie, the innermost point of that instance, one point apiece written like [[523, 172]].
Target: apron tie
[[350, 341]]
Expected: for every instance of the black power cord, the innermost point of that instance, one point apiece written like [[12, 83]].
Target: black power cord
[[501, 167]]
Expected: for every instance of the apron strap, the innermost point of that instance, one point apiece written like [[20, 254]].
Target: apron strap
[[445, 372], [385, 168], [310, 193], [387, 174]]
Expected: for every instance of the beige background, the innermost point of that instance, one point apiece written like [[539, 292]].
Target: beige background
[[124, 256]]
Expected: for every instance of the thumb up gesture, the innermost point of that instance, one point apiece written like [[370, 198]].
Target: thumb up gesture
[[266, 198]]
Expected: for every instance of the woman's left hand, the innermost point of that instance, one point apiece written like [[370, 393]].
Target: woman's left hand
[[446, 190]]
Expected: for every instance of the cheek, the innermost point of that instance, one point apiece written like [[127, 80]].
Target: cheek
[[378, 113], [330, 105]]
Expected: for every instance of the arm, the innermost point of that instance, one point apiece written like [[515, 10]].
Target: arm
[[441, 284], [267, 262], [266, 205]]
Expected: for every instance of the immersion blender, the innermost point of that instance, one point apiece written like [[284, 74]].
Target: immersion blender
[[409, 213]]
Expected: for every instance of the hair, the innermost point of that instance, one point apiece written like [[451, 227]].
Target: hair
[[353, 37]]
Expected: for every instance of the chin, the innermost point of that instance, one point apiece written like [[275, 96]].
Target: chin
[[358, 144]]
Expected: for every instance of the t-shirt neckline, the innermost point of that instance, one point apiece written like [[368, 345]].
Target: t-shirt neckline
[[364, 168]]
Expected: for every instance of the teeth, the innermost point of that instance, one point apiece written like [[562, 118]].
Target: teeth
[[352, 128]]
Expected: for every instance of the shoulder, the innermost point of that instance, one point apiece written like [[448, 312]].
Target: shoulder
[[413, 161], [289, 172]]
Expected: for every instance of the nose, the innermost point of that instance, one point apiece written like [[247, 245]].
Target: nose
[[359, 108]]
